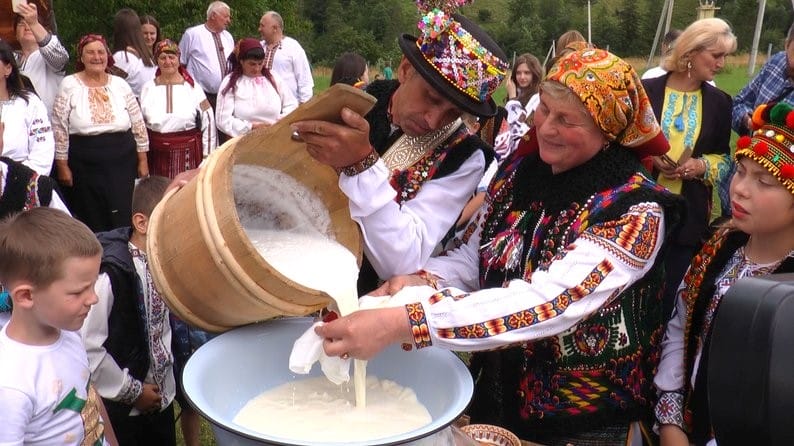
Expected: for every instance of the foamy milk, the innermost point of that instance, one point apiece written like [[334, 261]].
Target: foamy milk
[[287, 410], [289, 226]]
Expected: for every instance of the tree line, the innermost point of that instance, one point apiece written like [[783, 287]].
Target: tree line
[[327, 28]]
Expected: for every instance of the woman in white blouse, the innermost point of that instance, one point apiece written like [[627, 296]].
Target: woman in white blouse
[[27, 132], [178, 116], [100, 139], [250, 96], [130, 51]]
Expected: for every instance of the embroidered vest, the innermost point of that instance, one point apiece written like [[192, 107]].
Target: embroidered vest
[[24, 189], [600, 371]]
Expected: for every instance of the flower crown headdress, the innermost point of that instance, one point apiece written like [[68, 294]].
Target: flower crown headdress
[[772, 142]]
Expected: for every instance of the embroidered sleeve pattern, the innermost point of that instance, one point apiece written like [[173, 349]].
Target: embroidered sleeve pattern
[[131, 392], [60, 125], [531, 316], [632, 238], [137, 123], [419, 328], [670, 409]]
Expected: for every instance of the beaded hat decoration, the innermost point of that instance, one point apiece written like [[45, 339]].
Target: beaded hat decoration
[[613, 95], [772, 141], [456, 56]]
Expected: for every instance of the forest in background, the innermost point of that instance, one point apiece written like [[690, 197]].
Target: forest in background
[[327, 28]]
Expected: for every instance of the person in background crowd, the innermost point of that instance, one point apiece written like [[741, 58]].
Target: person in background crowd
[[758, 240], [205, 48], [695, 118], [151, 31], [774, 83], [100, 139], [351, 69], [557, 286], [522, 98], [127, 334], [48, 264], [388, 73], [43, 58], [251, 96], [410, 165], [667, 46], [285, 57], [27, 135], [130, 51], [179, 119]]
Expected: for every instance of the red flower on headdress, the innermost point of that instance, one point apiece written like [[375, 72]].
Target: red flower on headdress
[[744, 142], [787, 171], [761, 148], [790, 119]]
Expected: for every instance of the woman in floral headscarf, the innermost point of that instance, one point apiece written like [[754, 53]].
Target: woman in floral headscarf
[[561, 270], [100, 139], [250, 96], [178, 116]]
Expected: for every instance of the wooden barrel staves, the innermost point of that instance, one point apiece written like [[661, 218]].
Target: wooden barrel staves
[[203, 263], [8, 16]]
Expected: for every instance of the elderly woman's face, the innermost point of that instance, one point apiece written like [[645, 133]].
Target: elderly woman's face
[[567, 135], [168, 63], [95, 57]]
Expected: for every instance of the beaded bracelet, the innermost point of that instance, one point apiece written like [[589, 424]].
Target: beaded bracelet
[[360, 166]]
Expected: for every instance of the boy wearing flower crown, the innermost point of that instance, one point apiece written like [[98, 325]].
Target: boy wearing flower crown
[[758, 240]]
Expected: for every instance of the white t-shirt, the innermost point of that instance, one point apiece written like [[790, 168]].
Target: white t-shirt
[[254, 100], [44, 396], [27, 137]]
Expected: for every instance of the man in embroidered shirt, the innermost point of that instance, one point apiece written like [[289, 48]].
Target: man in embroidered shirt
[[285, 56], [204, 49], [410, 165], [774, 83]]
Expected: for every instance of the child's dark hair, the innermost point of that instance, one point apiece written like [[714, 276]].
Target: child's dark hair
[[148, 192], [34, 244]]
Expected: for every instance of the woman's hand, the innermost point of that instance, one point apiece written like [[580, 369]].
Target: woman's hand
[[64, 173], [672, 435], [143, 165], [365, 333], [396, 283], [692, 168], [512, 91], [666, 169]]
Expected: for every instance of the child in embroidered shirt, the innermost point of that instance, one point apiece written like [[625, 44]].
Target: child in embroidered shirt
[[49, 264], [758, 240], [127, 335]]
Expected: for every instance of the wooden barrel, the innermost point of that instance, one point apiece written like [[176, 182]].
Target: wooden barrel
[[206, 268]]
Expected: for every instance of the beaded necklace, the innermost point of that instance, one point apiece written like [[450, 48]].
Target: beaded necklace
[[407, 182]]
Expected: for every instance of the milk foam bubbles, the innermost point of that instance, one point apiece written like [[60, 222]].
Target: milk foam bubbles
[[315, 410]]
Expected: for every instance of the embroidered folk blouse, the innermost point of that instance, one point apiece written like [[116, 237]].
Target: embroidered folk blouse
[[84, 110]]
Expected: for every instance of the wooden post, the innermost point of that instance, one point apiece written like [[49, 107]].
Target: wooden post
[[658, 34], [759, 21]]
